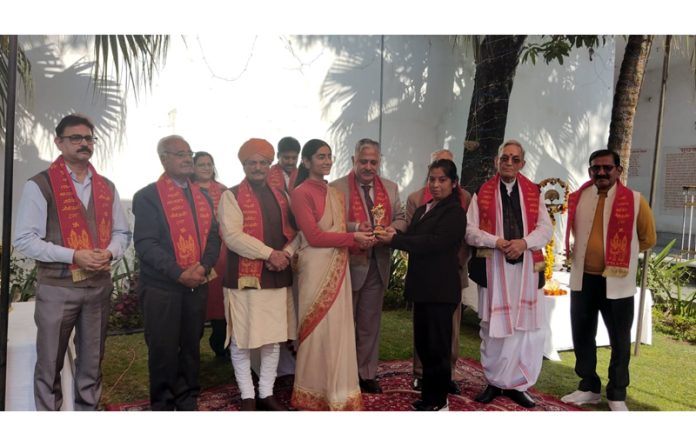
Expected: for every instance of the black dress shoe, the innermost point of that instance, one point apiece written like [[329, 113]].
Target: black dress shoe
[[417, 384], [453, 388], [520, 397], [488, 394], [269, 403], [420, 406], [370, 386], [416, 404], [248, 405]]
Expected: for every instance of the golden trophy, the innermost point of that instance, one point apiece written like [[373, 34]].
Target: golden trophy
[[377, 217]]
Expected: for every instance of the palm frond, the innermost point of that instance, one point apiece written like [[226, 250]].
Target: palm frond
[[136, 58], [23, 69]]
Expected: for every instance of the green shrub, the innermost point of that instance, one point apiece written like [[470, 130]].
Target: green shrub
[[678, 327], [125, 313], [394, 296], [666, 280], [674, 311]]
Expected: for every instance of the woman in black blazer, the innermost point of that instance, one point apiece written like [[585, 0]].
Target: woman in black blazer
[[432, 281]]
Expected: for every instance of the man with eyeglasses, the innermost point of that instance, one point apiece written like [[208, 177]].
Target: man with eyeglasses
[[255, 224], [71, 221], [177, 242], [283, 174], [611, 225], [508, 224], [365, 190]]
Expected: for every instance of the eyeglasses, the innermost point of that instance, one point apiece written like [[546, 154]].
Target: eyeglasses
[[512, 159], [599, 167], [180, 154], [77, 139], [262, 163]]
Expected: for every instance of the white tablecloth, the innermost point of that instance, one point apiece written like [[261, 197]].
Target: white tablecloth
[[558, 334], [21, 359]]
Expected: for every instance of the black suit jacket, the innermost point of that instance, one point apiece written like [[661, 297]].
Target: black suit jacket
[[153, 242], [433, 243]]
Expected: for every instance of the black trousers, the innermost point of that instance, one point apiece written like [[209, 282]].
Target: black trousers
[[585, 305], [173, 330], [432, 334]]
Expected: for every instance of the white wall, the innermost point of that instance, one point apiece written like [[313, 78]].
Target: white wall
[[218, 91]]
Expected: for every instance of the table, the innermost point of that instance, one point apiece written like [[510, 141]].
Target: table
[[559, 336], [557, 308], [21, 358]]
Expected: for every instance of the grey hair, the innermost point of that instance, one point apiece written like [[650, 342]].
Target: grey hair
[[367, 142], [164, 143], [511, 142]]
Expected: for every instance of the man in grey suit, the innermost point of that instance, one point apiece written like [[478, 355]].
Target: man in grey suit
[[364, 191]]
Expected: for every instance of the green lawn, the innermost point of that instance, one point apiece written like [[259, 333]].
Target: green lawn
[[663, 376]]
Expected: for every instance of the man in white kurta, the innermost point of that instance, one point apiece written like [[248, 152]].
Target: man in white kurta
[[258, 281], [510, 295]]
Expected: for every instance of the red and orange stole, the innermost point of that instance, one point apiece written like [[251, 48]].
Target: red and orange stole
[[487, 200], [72, 219], [356, 211], [276, 178], [617, 242], [188, 245], [250, 269]]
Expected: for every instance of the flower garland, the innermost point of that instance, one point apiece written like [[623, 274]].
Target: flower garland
[[552, 287], [548, 270]]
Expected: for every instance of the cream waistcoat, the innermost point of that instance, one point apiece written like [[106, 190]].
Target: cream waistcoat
[[617, 287]]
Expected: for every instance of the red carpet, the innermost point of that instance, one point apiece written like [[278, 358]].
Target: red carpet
[[395, 378]]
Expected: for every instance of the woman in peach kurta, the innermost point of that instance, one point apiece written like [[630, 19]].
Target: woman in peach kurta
[[326, 374]]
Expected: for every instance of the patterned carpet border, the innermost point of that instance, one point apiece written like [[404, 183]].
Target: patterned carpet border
[[395, 378]]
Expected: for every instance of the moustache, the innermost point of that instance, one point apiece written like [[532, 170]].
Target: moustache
[[597, 177], [84, 149]]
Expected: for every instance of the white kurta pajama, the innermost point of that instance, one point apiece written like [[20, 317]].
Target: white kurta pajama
[[255, 317], [512, 342]]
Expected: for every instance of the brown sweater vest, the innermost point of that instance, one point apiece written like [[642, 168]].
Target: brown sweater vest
[[56, 273], [272, 236]]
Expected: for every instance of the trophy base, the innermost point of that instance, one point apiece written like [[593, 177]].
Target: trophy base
[[378, 229]]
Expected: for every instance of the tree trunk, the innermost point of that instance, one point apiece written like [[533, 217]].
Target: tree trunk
[[626, 98], [485, 130]]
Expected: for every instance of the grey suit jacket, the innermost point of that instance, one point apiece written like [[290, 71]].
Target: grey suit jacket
[[414, 201], [359, 264]]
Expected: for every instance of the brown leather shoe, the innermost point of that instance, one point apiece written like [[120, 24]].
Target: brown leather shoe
[[270, 403], [248, 404]]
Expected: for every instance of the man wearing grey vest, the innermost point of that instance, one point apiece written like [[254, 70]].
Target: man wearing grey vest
[[365, 190], [70, 220]]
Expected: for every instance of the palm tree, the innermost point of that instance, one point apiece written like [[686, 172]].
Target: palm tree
[[496, 59], [626, 96], [628, 89]]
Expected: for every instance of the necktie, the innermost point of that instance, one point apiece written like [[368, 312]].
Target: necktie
[[368, 201]]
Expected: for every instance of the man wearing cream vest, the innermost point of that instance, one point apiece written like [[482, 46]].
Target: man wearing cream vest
[[611, 224]]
